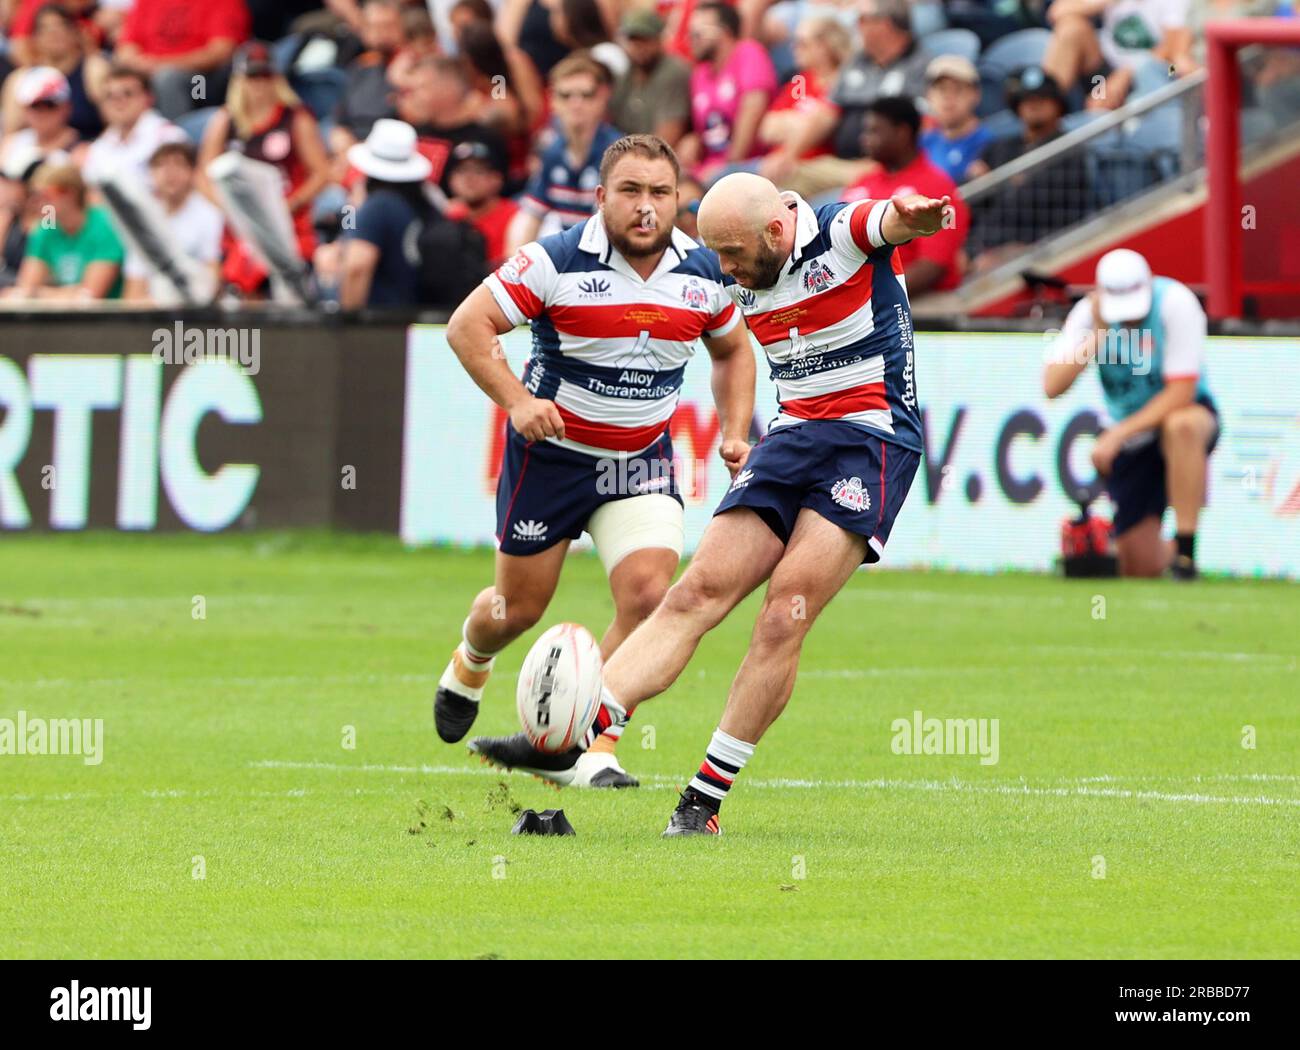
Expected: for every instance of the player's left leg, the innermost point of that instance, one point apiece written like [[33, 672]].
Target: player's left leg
[[1186, 436], [818, 561]]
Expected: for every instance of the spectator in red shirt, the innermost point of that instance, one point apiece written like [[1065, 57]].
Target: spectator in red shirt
[[821, 47], [476, 171], [174, 41], [889, 138]]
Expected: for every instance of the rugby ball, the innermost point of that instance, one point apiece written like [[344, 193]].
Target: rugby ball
[[558, 694]]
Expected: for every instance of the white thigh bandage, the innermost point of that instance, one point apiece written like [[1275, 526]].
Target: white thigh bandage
[[635, 523]]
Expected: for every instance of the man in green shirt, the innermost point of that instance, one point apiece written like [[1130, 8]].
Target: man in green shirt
[[73, 252]]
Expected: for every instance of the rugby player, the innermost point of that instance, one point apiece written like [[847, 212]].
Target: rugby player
[[824, 294], [616, 305]]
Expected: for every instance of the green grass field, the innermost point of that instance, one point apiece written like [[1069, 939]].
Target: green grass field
[[1120, 738]]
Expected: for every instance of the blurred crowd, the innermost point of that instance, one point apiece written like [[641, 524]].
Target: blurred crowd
[[420, 143]]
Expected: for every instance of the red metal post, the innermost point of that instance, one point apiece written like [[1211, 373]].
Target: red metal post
[[1223, 218]]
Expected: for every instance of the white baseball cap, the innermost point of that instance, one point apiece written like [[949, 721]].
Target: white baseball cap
[[1124, 281], [389, 153], [42, 84]]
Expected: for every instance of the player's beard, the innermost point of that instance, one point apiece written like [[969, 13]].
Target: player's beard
[[767, 268], [633, 250]]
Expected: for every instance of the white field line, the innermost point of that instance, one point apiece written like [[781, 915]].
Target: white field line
[[1079, 788]]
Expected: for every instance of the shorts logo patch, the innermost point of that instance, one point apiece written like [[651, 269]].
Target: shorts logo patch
[[742, 479], [529, 531], [848, 492]]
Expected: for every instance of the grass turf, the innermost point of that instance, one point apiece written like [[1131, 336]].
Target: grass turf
[[1120, 738]]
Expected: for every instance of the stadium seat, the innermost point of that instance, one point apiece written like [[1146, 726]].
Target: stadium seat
[[194, 122], [1014, 52], [953, 42], [927, 18]]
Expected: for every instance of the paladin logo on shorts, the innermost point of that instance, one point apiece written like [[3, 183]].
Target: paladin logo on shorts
[[530, 530], [848, 492], [102, 1004], [742, 479]]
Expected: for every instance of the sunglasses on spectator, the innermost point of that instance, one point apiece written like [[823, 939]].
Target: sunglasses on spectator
[[44, 103], [565, 96]]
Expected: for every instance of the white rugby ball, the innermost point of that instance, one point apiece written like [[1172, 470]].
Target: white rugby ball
[[558, 694]]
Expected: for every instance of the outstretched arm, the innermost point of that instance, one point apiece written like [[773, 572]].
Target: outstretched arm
[[915, 215]]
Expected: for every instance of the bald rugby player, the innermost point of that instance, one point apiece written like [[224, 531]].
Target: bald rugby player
[[824, 294]]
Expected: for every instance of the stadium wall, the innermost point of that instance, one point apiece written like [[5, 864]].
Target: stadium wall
[[374, 426]]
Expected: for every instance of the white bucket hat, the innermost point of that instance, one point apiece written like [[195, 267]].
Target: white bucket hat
[[1124, 281], [389, 154]]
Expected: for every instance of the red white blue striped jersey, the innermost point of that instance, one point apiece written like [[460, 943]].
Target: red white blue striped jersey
[[609, 348], [837, 326]]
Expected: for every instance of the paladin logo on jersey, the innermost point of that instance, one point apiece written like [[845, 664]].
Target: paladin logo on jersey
[[694, 295], [529, 531], [596, 288], [818, 277], [848, 492], [746, 299]]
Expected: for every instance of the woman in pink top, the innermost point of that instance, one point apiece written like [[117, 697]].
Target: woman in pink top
[[731, 86]]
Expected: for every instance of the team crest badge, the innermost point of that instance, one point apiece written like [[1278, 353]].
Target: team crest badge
[[694, 295], [818, 277], [848, 492]]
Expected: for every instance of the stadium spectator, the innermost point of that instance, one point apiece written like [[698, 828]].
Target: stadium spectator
[[195, 226], [176, 41], [958, 136], [437, 101], [45, 100], [79, 256], [1033, 205], [508, 95], [890, 63], [1147, 336], [91, 18], [367, 92], [821, 47], [689, 195], [264, 120], [580, 26], [476, 173], [890, 137], [527, 24], [57, 42], [562, 193], [732, 84], [135, 129], [1138, 40], [19, 213], [421, 42], [654, 96]]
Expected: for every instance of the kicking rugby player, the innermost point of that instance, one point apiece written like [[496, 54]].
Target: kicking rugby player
[[616, 305], [823, 292]]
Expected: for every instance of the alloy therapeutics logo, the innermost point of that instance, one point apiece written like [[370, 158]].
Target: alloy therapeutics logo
[[75, 1003]]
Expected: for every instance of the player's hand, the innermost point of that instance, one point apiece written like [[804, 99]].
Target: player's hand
[[536, 419], [734, 452], [1108, 446], [920, 214]]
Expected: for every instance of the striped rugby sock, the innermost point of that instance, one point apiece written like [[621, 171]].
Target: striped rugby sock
[[725, 758], [610, 720], [476, 659]]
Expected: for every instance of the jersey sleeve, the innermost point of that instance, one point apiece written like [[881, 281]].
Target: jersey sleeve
[[725, 316], [1185, 326], [857, 227], [523, 284]]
